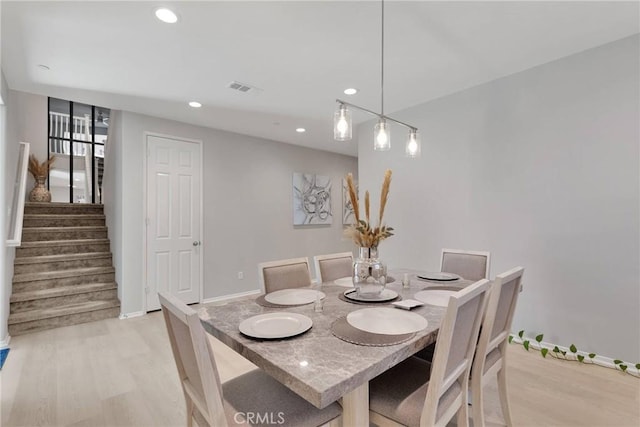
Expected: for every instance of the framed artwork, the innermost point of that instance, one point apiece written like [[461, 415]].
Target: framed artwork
[[348, 217], [311, 199]]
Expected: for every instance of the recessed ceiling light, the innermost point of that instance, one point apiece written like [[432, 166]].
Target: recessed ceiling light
[[43, 67], [166, 15], [195, 104], [350, 91], [301, 130]]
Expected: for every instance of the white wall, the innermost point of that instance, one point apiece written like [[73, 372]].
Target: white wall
[[542, 169], [112, 188], [24, 120], [247, 205], [28, 123], [6, 254], [5, 284], [11, 136]]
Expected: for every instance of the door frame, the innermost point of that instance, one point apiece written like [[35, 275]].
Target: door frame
[[145, 195]]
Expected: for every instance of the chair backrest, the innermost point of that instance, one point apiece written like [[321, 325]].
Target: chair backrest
[[496, 325], [453, 355], [471, 265], [333, 266], [284, 274], [194, 359]]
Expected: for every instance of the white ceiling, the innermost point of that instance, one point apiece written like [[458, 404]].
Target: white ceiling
[[301, 54]]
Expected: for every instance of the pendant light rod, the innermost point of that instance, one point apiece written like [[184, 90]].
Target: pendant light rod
[[382, 62], [373, 113]]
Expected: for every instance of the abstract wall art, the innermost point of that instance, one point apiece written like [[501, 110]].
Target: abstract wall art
[[311, 199], [348, 217]]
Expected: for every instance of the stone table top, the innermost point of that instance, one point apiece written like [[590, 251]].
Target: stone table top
[[316, 365]]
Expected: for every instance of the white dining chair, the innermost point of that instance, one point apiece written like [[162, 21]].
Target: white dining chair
[[239, 401], [415, 392], [284, 274], [333, 266], [492, 345], [471, 265]]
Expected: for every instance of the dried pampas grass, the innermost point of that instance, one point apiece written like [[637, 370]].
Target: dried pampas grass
[[353, 196], [361, 232], [37, 169], [384, 194]]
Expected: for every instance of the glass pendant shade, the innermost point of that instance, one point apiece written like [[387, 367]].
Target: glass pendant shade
[[342, 124], [381, 136], [413, 144]]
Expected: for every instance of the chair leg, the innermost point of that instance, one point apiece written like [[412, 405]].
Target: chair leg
[[463, 415], [190, 407], [477, 407], [504, 396]]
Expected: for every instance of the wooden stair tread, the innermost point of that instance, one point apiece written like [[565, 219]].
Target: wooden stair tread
[[63, 216], [58, 274], [47, 313], [62, 291], [62, 243], [62, 257], [66, 229], [62, 205]]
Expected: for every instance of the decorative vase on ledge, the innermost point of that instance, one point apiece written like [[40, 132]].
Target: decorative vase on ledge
[[40, 192], [369, 273]]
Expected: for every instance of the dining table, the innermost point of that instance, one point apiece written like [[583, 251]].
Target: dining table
[[317, 365]]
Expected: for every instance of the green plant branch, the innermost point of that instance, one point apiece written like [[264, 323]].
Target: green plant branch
[[571, 355]]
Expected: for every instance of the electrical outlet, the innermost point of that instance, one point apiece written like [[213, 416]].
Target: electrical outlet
[[240, 275]]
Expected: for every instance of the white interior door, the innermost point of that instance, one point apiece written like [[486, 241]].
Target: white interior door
[[173, 220]]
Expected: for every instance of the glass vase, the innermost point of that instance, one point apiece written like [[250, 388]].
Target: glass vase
[[369, 273]]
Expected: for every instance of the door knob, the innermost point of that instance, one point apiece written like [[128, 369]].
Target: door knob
[[196, 243]]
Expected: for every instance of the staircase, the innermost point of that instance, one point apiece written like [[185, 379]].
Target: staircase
[[63, 272]]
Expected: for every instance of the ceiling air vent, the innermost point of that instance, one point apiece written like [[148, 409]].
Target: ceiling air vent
[[243, 87]]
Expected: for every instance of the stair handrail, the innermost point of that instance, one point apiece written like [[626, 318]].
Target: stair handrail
[[88, 155], [16, 212]]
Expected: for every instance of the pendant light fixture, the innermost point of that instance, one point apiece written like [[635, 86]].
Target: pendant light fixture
[[342, 126]]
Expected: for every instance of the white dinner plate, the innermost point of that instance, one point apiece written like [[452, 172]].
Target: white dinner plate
[[346, 282], [439, 297], [386, 321], [385, 295], [293, 296], [439, 276], [275, 325]]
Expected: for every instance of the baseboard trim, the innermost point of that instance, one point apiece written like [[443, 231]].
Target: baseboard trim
[[130, 315], [225, 298], [600, 360]]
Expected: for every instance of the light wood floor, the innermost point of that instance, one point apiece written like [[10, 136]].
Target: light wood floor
[[121, 373]]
